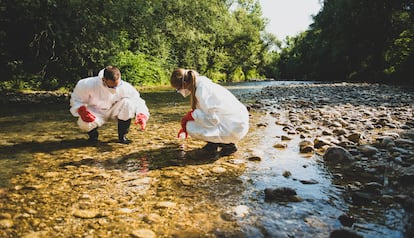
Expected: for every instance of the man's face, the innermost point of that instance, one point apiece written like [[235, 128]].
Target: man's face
[[110, 83]]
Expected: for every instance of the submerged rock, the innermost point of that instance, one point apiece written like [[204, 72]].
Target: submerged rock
[[346, 220], [342, 233], [305, 146], [6, 223], [284, 194], [86, 214], [143, 233], [407, 175]]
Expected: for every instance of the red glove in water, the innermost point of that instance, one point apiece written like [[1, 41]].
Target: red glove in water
[[85, 114], [185, 119], [182, 131], [141, 119]]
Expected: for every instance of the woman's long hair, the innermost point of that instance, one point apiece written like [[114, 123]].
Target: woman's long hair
[[179, 76]]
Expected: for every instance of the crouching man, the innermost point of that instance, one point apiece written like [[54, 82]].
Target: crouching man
[[96, 100]]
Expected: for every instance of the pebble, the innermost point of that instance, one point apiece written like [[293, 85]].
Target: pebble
[[143, 233], [6, 223], [86, 214], [218, 170]]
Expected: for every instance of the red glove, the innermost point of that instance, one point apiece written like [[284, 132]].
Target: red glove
[[182, 131], [141, 119], [85, 114], [185, 119]]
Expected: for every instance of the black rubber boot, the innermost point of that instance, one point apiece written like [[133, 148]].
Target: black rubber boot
[[93, 135], [227, 149], [123, 129], [211, 147]]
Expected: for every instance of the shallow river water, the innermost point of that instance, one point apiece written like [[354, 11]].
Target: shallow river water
[[53, 184]]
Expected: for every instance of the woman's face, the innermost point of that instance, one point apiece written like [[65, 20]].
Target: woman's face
[[183, 88], [181, 84]]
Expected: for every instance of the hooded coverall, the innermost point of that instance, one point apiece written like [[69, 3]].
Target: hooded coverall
[[219, 116]]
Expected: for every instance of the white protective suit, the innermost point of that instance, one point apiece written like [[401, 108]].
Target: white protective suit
[[105, 103], [219, 116]]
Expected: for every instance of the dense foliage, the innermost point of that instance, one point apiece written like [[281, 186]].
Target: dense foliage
[[51, 44], [353, 40]]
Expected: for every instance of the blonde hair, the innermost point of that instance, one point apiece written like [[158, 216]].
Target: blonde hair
[[179, 76]]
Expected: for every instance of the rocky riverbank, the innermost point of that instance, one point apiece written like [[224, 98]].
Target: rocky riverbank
[[33, 97], [363, 132]]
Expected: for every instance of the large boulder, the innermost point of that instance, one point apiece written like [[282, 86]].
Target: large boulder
[[337, 154]]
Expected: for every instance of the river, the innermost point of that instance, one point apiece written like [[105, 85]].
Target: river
[[52, 184]]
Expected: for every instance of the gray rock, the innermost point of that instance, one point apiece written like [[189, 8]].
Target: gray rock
[[407, 175], [337, 154], [368, 150]]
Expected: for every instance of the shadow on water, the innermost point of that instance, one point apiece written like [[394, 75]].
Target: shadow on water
[[143, 161], [50, 146]]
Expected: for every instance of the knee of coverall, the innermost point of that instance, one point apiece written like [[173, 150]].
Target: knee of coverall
[[125, 109], [88, 126]]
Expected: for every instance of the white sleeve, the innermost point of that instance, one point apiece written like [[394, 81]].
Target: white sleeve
[[140, 105], [79, 97]]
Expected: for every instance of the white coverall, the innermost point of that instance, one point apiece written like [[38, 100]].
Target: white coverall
[[105, 103], [219, 116]]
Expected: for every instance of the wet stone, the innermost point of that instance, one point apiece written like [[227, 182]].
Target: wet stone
[[166, 204], [368, 150], [37, 234], [218, 170], [362, 198], [280, 146], [86, 214], [346, 220], [286, 174], [354, 137], [284, 137], [125, 210], [344, 233], [143, 233], [373, 187], [319, 143], [336, 154], [407, 175], [5, 216], [280, 194], [6, 223], [309, 181], [152, 218]]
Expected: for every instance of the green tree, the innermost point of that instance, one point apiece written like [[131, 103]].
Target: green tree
[[354, 41]]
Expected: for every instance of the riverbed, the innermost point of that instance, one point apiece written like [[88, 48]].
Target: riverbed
[[53, 184]]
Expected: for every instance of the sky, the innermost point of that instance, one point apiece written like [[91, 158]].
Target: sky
[[289, 17]]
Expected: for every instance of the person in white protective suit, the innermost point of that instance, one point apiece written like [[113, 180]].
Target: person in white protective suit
[[96, 100], [216, 115]]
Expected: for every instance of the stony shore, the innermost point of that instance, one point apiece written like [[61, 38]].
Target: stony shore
[[364, 132]]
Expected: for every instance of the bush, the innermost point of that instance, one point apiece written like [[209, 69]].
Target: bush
[[140, 69]]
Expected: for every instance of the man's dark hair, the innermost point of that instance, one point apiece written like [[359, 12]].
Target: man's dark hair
[[112, 73]]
